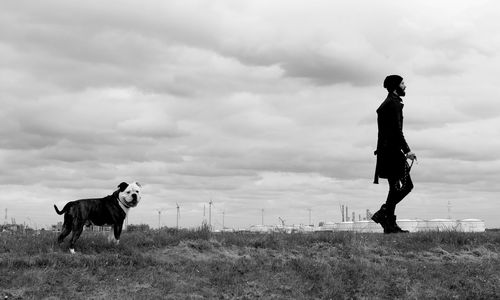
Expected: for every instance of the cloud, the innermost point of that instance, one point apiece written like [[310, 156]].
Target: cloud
[[256, 104]]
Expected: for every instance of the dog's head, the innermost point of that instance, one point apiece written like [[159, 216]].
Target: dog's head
[[129, 193]]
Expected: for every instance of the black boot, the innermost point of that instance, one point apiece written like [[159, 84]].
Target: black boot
[[381, 218], [380, 215], [394, 225]]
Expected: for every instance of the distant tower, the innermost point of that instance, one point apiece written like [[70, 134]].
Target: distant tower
[[159, 218], [178, 214], [449, 209], [353, 216], [223, 216], [210, 204], [342, 207], [5, 222], [262, 216], [347, 213]]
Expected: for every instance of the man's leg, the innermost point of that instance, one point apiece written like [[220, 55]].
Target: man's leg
[[398, 190], [406, 188], [394, 195], [382, 215]]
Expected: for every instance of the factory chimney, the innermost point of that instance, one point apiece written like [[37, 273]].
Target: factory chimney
[[342, 208]]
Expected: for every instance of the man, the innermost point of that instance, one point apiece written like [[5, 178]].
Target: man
[[392, 153]]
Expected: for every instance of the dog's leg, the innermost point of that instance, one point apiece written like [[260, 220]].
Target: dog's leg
[[64, 233], [66, 228], [111, 238], [77, 231], [117, 231]]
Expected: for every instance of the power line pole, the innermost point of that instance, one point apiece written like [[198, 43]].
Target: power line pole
[[210, 213], [449, 209], [159, 218], [178, 214]]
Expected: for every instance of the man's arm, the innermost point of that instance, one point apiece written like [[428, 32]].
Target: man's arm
[[396, 126]]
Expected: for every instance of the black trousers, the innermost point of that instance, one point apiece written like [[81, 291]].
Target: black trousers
[[398, 189]]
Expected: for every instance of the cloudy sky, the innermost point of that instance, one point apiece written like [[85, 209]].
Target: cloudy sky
[[254, 104]]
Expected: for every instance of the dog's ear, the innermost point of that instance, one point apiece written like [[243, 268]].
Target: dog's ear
[[122, 186]]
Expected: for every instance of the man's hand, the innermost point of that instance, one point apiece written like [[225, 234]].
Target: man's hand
[[411, 155]]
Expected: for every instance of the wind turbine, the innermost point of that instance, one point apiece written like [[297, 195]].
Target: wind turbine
[[449, 209], [210, 213], [159, 217], [223, 216], [178, 214], [309, 216]]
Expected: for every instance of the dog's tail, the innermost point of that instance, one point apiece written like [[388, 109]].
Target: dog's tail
[[65, 209], [58, 211]]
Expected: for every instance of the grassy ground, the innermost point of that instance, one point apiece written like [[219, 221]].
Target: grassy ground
[[196, 264]]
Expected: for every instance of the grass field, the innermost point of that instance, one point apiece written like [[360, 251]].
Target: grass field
[[197, 264]]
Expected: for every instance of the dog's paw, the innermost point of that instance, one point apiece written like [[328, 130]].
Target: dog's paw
[[112, 239]]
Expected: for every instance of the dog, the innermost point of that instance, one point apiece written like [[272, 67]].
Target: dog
[[110, 210]]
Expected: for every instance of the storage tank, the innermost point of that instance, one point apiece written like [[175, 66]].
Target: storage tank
[[327, 226], [441, 225], [471, 225], [304, 228], [344, 226], [422, 225], [367, 226], [259, 228], [407, 224]]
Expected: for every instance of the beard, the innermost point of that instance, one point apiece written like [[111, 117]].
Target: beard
[[400, 92]]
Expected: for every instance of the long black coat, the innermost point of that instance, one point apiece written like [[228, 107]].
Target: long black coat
[[391, 144]]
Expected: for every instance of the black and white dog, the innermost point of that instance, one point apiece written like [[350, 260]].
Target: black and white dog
[[110, 210]]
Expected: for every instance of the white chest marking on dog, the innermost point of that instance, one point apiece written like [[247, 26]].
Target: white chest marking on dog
[[125, 209]]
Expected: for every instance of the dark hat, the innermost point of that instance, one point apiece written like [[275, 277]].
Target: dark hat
[[391, 82]]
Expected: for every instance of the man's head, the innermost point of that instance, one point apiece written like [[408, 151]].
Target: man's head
[[395, 83]]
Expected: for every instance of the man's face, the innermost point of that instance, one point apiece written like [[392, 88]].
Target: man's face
[[400, 90]]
